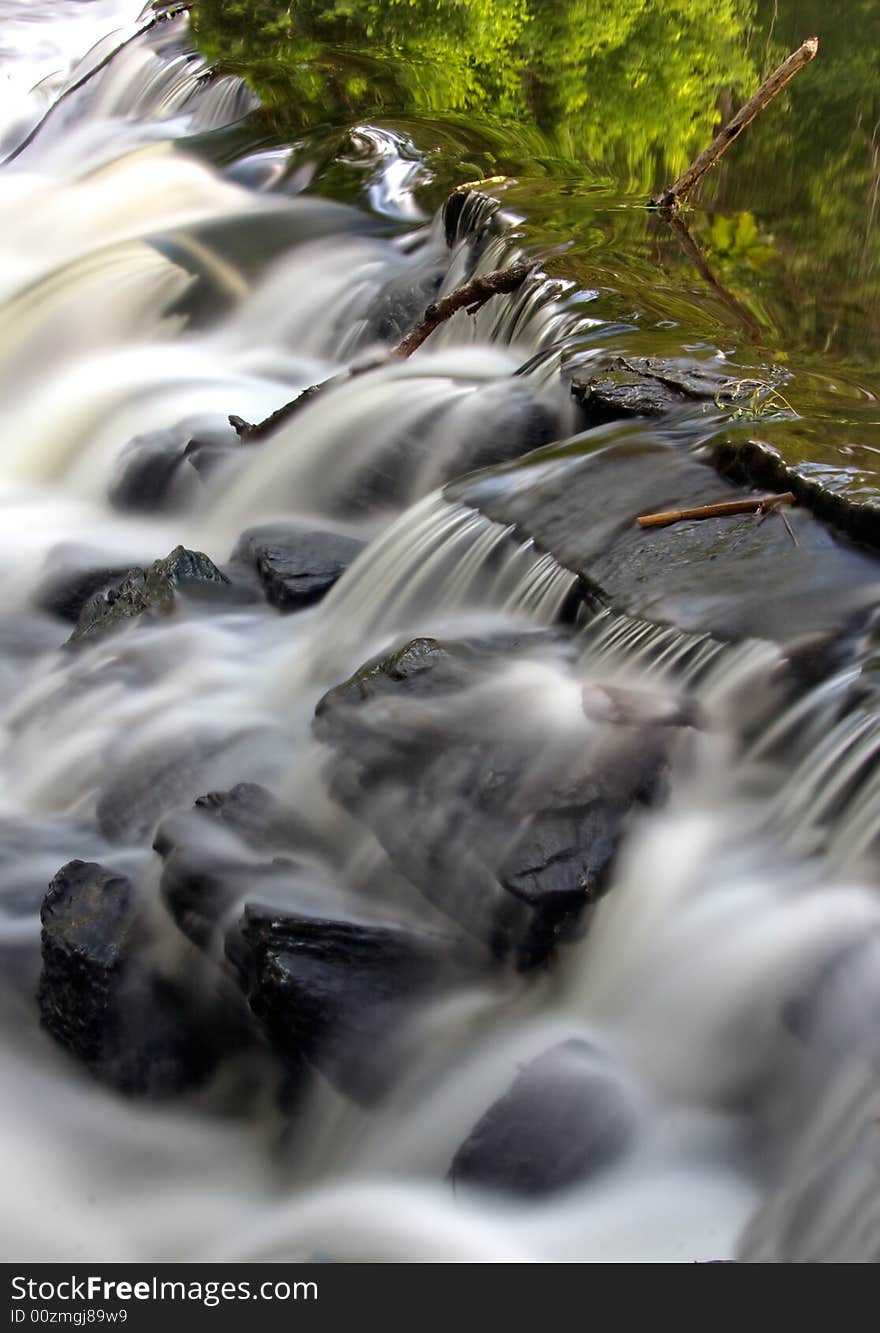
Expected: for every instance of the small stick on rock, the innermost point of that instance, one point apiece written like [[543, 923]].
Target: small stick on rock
[[470, 296], [760, 503], [770, 88]]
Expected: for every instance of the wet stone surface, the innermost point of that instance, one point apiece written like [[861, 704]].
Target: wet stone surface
[[105, 1002], [567, 1115], [508, 832], [632, 387], [295, 566], [152, 591], [735, 576], [336, 994]]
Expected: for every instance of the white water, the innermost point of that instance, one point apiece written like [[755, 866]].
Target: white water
[[725, 904]]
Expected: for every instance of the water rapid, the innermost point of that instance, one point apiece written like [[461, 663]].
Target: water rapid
[[160, 271]]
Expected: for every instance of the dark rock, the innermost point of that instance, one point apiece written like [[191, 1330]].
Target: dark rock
[[295, 566], [566, 1116], [758, 463], [732, 576], [335, 993], [65, 591], [152, 473], [838, 1011], [256, 816], [645, 387], [152, 591], [139, 789], [510, 838], [135, 1029], [208, 871]]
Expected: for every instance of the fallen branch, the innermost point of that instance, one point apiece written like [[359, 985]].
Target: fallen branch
[[770, 88], [172, 13], [758, 504], [470, 296]]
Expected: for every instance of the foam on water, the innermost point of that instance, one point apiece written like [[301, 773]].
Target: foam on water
[[724, 905]]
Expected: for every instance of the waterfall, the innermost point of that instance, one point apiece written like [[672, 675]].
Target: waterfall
[[148, 290]]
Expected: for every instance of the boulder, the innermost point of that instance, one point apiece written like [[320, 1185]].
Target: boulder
[[507, 829], [72, 579], [102, 999], [336, 994], [160, 471], [296, 566], [153, 592], [640, 386], [567, 1115]]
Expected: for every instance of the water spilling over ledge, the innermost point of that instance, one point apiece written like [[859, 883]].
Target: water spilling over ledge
[[403, 855]]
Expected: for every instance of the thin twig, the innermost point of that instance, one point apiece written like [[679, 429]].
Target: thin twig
[[770, 88], [90, 73], [758, 504], [789, 529], [471, 296]]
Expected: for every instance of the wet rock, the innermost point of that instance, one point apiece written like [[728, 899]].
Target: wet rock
[[103, 1001], [208, 870], [141, 787], [757, 463], [733, 576], [152, 591], [256, 816], [838, 1011], [566, 1116], [336, 993], [295, 566], [508, 832], [645, 387], [154, 473], [75, 576]]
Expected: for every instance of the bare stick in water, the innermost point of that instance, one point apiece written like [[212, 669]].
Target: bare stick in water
[[470, 296], [769, 89], [74, 87], [760, 503]]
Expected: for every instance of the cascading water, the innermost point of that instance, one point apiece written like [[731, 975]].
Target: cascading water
[[146, 294]]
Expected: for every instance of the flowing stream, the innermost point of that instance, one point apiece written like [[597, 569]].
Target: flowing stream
[[160, 269]]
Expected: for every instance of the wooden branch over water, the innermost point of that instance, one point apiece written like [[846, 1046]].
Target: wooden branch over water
[[769, 89], [758, 504], [470, 296]]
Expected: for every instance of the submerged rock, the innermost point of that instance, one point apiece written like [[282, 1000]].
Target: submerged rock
[[336, 994], [160, 470], [505, 824], [73, 577], [151, 591], [645, 387], [567, 1115], [102, 999], [141, 787], [208, 869], [295, 566]]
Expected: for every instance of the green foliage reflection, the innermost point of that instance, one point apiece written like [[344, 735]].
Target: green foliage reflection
[[610, 80]]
